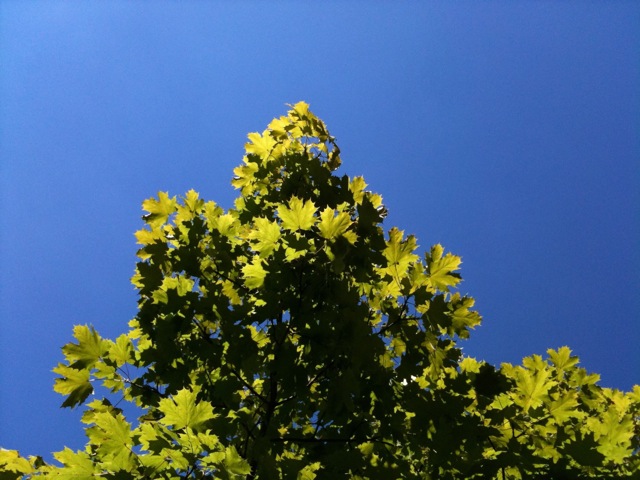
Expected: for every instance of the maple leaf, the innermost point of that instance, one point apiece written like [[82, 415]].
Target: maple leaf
[[254, 273], [267, 234], [332, 226], [298, 215], [88, 350], [184, 410], [441, 268], [159, 210]]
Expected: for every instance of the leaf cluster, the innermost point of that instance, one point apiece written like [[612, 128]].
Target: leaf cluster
[[291, 336]]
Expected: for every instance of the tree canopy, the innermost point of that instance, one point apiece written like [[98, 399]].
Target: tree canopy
[[291, 336]]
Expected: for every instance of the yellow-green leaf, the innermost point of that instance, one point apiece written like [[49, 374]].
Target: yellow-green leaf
[[185, 410], [254, 273], [88, 350], [121, 351], [11, 461], [160, 209], [78, 466], [331, 225], [399, 253], [74, 383], [234, 464], [298, 215], [441, 268], [267, 234]]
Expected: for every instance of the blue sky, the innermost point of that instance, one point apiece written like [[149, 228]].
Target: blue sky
[[507, 131]]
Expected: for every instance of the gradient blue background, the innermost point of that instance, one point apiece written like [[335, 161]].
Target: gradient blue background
[[507, 131]]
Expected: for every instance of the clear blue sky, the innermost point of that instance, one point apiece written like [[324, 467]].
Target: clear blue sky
[[507, 131]]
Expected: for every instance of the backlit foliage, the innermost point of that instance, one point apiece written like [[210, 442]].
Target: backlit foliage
[[292, 337]]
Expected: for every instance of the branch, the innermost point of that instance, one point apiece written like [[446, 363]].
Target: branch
[[244, 382]]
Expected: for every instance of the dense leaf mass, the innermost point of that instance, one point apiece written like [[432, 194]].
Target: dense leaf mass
[[292, 337]]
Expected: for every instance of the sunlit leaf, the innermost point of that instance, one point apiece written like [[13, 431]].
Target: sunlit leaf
[[185, 410], [159, 209], [88, 350], [298, 215], [234, 464], [332, 226], [254, 274]]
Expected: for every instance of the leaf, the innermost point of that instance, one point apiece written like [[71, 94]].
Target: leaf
[[77, 466], [279, 127], [234, 464], [192, 200], [301, 108], [88, 350], [147, 237], [254, 273], [11, 461], [260, 145], [121, 351], [357, 187], [441, 268], [565, 407], [159, 210], [613, 434], [231, 293], [309, 471], [245, 176], [332, 226], [470, 365], [533, 383], [298, 215], [462, 318], [184, 410], [74, 383], [113, 438], [226, 224], [267, 234], [562, 358], [399, 253]]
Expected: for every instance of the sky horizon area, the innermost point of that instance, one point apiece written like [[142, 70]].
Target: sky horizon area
[[508, 132]]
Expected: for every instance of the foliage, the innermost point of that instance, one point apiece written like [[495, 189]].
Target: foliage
[[290, 337]]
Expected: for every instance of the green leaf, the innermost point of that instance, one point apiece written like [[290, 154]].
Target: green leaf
[[260, 145], [357, 187], [230, 291], [185, 410], [298, 215], [309, 471], [441, 268], [399, 253], [254, 273], [192, 200], [565, 407], [267, 234], [245, 176], [226, 224], [77, 466], [613, 434], [88, 350], [11, 461], [74, 383], [332, 226], [121, 351], [462, 317], [234, 464], [562, 358], [160, 209], [113, 438], [533, 383]]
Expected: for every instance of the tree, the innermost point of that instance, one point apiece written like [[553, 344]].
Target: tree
[[290, 337]]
